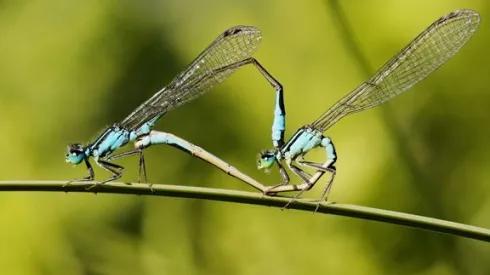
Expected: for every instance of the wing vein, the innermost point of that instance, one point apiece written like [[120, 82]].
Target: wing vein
[[427, 52], [232, 46]]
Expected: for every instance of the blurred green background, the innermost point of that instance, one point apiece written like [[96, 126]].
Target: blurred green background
[[69, 69]]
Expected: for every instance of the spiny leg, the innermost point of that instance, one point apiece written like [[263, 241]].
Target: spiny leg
[[297, 171], [110, 167], [303, 176], [315, 165], [300, 173], [328, 166], [327, 189], [311, 180], [325, 167], [90, 176], [142, 166], [284, 176]]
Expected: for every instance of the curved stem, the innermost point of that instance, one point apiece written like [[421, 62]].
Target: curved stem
[[346, 210]]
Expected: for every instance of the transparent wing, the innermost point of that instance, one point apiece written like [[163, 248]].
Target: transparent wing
[[428, 51], [232, 46]]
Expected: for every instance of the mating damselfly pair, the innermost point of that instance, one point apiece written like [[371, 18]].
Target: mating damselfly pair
[[234, 49]]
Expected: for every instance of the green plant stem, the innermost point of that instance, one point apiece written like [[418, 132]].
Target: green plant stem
[[353, 211]]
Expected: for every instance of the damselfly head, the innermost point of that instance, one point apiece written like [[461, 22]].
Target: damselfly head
[[266, 159], [75, 153]]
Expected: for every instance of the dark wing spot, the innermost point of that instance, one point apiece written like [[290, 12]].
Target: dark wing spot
[[232, 31]]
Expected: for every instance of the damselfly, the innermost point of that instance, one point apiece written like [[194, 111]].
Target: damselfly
[[429, 50], [231, 50]]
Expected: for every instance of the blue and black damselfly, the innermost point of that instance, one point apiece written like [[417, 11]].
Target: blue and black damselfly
[[427, 52], [231, 50]]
